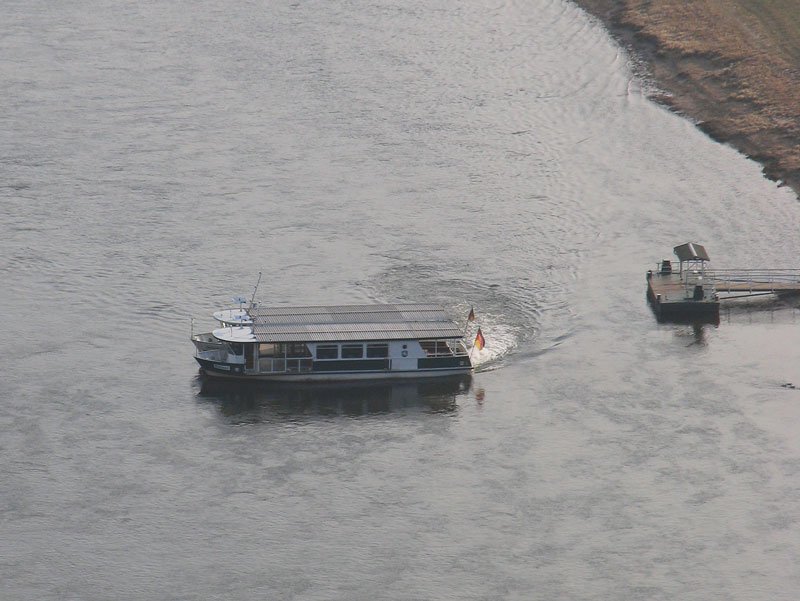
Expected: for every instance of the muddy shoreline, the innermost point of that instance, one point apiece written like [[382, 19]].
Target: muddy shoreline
[[732, 67]]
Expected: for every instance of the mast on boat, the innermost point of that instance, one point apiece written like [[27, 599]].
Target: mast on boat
[[255, 289]]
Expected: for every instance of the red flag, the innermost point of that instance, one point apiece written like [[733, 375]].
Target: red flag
[[480, 341], [471, 316]]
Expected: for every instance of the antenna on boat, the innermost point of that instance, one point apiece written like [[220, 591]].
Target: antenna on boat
[[253, 298]]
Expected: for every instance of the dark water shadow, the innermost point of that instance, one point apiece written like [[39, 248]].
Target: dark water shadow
[[766, 309], [694, 333], [265, 401]]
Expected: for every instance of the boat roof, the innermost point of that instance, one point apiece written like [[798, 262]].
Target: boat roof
[[234, 334], [691, 252], [377, 322], [238, 316]]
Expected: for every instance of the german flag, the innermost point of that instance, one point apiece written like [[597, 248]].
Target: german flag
[[480, 341]]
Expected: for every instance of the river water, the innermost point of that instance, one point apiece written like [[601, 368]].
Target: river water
[[155, 156]]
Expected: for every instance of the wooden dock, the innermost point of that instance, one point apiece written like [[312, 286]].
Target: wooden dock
[[693, 292], [674, 297]]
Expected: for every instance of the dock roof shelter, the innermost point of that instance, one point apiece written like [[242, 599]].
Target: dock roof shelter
[[691, 253], [352, 323]]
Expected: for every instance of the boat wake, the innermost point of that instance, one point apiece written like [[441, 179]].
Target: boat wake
[[501, 340]]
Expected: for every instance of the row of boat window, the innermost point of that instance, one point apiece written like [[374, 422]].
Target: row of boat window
[[374, 350], [352, 351], [347, 350]]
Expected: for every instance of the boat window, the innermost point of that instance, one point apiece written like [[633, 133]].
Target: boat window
[[376, 351], [297, 349], [352, 351], [327, 351], [267, 350], [436, 348]]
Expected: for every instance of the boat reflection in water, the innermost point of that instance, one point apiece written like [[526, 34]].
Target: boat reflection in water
[[257, 401]]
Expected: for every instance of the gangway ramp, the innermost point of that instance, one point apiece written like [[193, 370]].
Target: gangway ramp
[[737, 283]]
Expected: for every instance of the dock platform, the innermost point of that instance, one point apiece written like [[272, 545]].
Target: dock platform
[[685, 294], [673, 298]]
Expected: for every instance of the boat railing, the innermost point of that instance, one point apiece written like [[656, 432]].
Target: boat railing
[[220, 354], [460, 350], [281, 365], [443, 348], [206, 342]]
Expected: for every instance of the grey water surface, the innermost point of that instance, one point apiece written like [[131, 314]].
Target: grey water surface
[[155, 156]]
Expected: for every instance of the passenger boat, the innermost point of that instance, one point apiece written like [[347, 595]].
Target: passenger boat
[[329, 343]]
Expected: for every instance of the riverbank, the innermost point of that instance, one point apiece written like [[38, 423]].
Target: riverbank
[[732, 66]]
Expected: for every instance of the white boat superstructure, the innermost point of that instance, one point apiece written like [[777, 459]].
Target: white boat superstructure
[[345, 342]]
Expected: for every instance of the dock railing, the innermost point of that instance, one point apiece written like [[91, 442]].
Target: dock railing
[[755, 280]]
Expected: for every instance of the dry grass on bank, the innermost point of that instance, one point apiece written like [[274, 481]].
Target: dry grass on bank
[[733, 65]]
